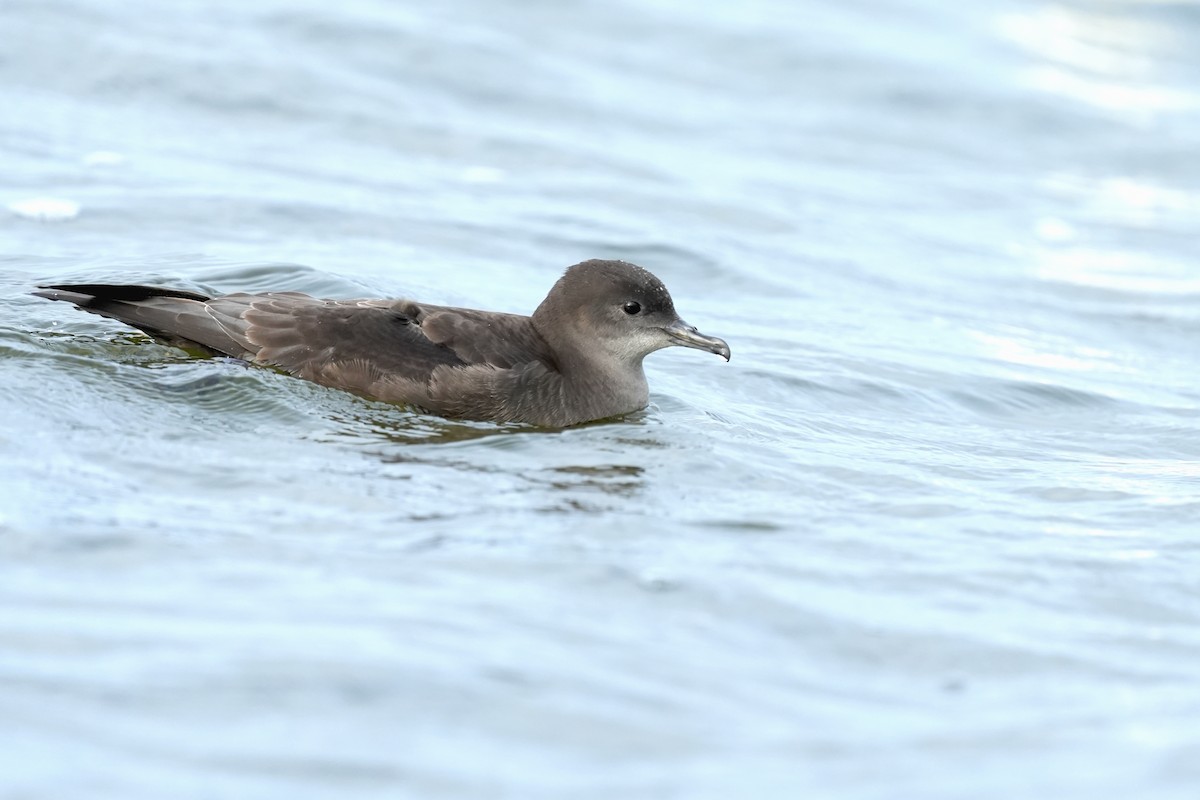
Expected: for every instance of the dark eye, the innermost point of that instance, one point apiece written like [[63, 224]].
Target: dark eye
[[632, 307]]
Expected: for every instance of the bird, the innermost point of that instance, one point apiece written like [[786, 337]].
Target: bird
[[576, 359]]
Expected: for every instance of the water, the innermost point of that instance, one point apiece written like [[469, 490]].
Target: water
[[931, 533]]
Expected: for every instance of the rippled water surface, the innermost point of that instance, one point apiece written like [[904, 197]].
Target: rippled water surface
[[932, 532]]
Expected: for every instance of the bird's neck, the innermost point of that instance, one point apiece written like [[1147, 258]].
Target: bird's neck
[[605, 385], [590, 377]]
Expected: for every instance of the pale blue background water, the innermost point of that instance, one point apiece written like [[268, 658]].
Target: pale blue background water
[[931, 534]]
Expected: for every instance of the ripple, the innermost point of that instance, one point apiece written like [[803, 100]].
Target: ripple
[[276, 277], [373, 422], [217, 385], [1002, 397]]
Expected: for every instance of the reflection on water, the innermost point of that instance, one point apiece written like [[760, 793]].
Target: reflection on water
[[1038, 350], [1070, 251], [1106, 60], [623, 480], [410, 444], [1120, 62], [1111, 95], [370, 421], [1088, 40], [1117, 270], [1126, 200]]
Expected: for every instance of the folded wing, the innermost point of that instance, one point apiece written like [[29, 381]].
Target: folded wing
[[395, 350]]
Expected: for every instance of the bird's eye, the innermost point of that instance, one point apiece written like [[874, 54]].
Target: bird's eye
[[632, 307]]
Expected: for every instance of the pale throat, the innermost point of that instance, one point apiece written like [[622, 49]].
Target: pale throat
[[613, 382]]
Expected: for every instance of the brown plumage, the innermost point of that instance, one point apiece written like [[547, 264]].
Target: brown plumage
[[577, 358]]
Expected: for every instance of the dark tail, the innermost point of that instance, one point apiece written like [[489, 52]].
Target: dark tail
[[173, 316], [89, 295]]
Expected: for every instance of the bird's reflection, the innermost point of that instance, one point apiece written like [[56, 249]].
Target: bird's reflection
[[591, 461]]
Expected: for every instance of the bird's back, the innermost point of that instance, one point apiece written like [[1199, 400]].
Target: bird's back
[[392, 350]]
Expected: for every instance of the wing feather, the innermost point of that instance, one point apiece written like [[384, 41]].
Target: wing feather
[[453, 361]]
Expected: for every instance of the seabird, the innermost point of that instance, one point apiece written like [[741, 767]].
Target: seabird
[[577, 358]]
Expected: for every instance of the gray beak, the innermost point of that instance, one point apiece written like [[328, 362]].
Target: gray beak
[[688, 336]]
